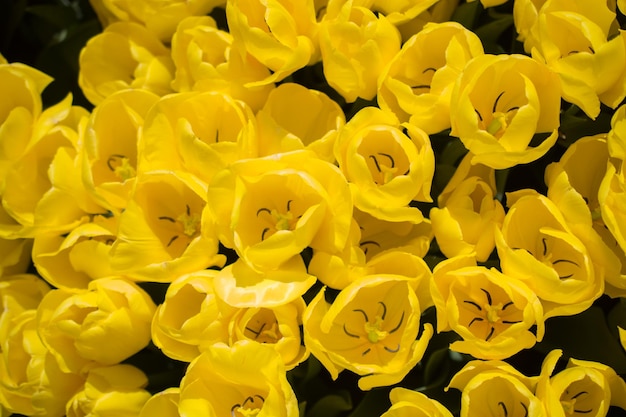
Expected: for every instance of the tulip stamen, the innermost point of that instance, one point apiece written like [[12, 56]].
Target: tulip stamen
[[262, 210], [474, 304], [479, 115], [392, 350], [489, 300], [475, 319], [389, 172], [368, 242], [267, 229], [366, 351], [493, 329], [362, 312], [384, 309], [121, 166], [579, 394], [395, 329], [172, 240], [504, 307], [169, 219], [495, 103], [244, 410], [525, 409], [506, 412], [345, 330]]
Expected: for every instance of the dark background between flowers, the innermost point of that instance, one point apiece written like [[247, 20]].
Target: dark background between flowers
[[49, 34]]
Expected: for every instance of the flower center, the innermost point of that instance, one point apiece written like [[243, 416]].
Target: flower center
[[283, 221], [493, 312], [374, 332], [498, 124], [250, 407], [190, 222], [121, 167]]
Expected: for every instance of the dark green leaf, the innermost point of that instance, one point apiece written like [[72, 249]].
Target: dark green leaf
[[331, 405]]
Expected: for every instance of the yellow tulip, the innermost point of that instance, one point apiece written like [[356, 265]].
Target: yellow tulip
[[398, 11], [18, 293], [31, 381], [276, 326], [72, 260], [574, 39], [103, 325], [190, 317], [537, 246], [240, 285], [29, 179], [417, 83], [163, 232], [181, 137], [584, 387], [270, 209], [406, 402], [162, 404], [295, 117], [386, 168], [499, 103], [125, 55], [490, 3], [207, 60], [468, 213], [370, 329], [282, 35], [573, 185], [355, 45], [491, 311], [111, 390], [495, 387], [158, 16], [109, 146], [240, 380]]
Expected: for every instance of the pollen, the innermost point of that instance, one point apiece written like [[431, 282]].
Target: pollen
[[374, 332]]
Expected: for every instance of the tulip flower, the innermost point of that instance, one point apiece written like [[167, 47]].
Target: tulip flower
[[162, 404], [111, 390], [417, 83], [103, 325], [245, 379], [371, 329], [491, 311], [499, 103], [407, 402], [140, 61]]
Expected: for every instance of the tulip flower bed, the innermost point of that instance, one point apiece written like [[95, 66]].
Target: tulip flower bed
[[315, 208]]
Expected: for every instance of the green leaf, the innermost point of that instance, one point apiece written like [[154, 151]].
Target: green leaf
[[373, 404], [59, 16], [467, 14], [331, 405]]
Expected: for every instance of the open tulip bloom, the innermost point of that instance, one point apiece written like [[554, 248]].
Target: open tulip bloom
[[313, 208]]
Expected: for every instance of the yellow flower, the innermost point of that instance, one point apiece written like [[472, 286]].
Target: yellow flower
[[355, 45], [573, 185], [417, 83], [163, 232], [281, 34], [242, 286], [405, 402], [162, 404], [386, 168], [207, 60], [370, 329], [295, 117], [109, 146], [180, 136], [28, 179], [103, 325], [19, 293], [111, 390], [31, 382], [277, 326], [245, 379], [491, 311], [584, 387], [158, 16], [125, 55], [468, 212], [577, 43], [537, 246], [72, 260], [490, 3], [496, 388], [190, 317], [270, 209], [499, 103], [525, 14]]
